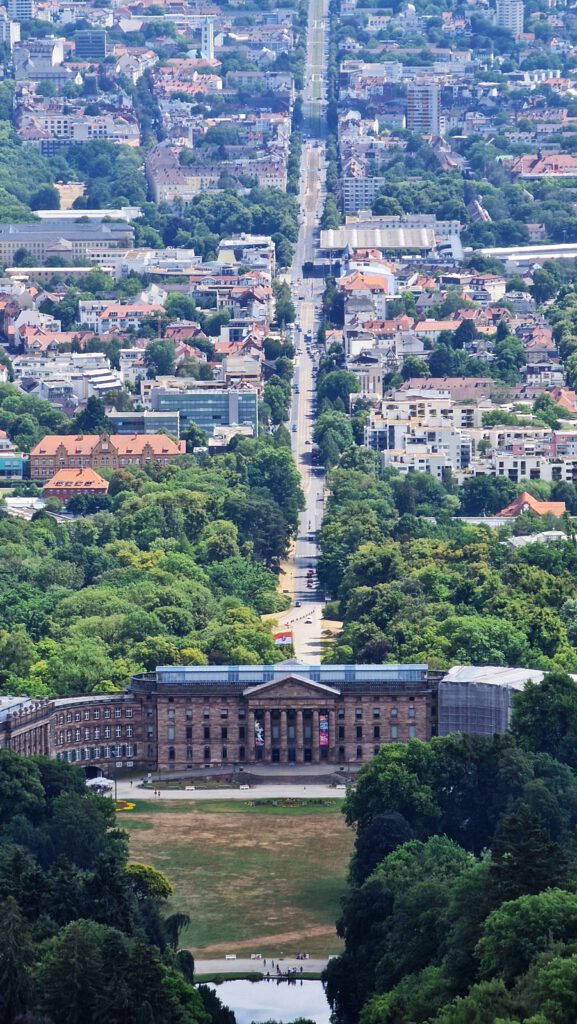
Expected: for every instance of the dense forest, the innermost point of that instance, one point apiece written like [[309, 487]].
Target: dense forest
[[178, 569], [462, 906], [86, 937], [413, 585]]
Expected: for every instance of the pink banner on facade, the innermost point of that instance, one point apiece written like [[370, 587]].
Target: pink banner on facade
[[323, 729]]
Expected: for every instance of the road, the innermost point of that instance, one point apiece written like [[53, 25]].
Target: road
[[306, 619]]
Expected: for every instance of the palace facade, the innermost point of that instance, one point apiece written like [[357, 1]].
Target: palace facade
[[186, 717]]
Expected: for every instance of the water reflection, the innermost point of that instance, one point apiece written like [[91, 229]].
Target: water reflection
[[275, 1000]]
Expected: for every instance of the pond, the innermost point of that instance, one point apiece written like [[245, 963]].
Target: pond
[[275, 1000]]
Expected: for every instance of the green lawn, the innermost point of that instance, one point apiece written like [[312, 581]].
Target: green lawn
[[262, 878]]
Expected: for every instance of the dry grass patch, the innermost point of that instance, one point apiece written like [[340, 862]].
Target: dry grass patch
[[250, 881]]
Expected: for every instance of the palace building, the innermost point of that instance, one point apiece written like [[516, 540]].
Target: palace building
[[187, 717]]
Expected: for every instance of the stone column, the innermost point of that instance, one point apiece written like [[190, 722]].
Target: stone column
[[315, 744], [283, 735], [250, 748], [267, 752], [332, 735], [300, 736]]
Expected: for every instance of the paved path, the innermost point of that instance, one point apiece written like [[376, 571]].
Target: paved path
[[315, 792], [241, 966]]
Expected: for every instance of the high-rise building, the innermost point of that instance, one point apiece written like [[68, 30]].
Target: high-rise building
[[423, 113], [207, 39], [91, 44], [20, 10], [510, 15], [9, 30]]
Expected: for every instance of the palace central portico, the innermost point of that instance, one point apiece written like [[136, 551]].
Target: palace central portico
[[288, 713]]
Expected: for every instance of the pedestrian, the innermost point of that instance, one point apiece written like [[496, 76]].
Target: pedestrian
[[264, 962], [131, 783]]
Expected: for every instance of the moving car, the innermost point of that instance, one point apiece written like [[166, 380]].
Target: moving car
[[308, 622]]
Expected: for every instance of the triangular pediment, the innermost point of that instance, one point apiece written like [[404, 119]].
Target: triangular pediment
[[291, 686]]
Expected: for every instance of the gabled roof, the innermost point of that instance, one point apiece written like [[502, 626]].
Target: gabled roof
[[527, 503], [291, 677]]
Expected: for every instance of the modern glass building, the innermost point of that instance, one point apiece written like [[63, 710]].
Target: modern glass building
[[208, 407]]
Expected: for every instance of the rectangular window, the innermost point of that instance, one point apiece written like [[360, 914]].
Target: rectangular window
[[394, 732], [189, 714], [97, 733], [412, 732], [359, 753], [206, 713], [170, 713], [359, 732], [224, 753], [170, 732], [128, 712], [189, 753], [376, 712], [129, 731], [224, 712], [358, 713], [241, 732], [341, 732], [207, 753], [394, 712], [77, 734], [107, 712], [118, 731], [412, 712], [376, 732], [224, 733], [189, 732], [96, 715], [241, 714], [77, 716], [118, 712], [207, 732], [87, 716], [107, 732]]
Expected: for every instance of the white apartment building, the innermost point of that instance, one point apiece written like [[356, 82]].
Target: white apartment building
[[63, 366], [132, 365], [510, 15], [527, 467], [423, 432]]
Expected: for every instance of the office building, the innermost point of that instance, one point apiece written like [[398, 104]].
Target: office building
[[91, 44], [423, 109], [208, 407], [146, 422]]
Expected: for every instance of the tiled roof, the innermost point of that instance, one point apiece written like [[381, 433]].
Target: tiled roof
[[76, 480], [123, 444], [526, 502]]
